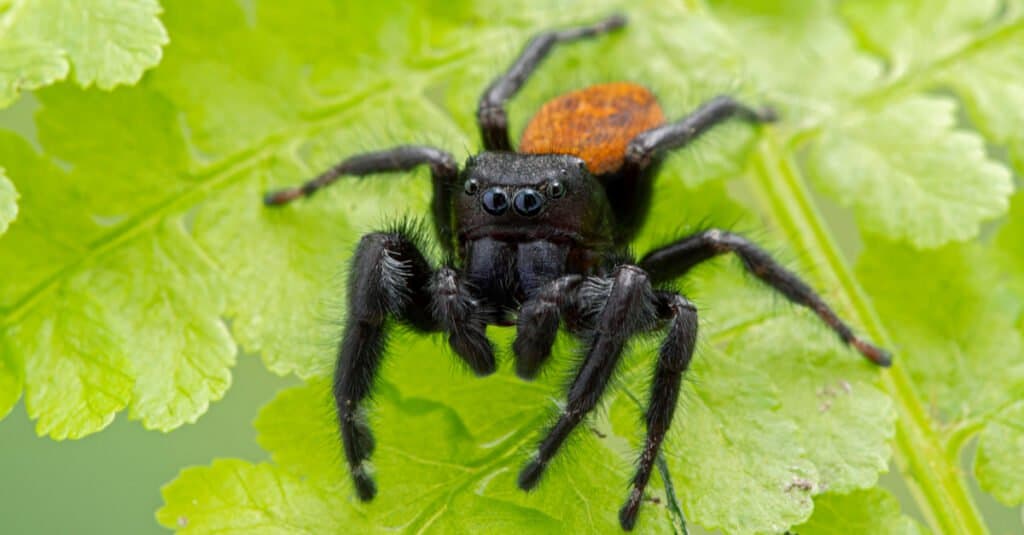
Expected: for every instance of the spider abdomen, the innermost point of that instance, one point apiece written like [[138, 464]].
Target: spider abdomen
[[594, 124]]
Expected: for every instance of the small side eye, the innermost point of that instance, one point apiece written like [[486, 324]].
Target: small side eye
[[556, 189], [471, 186]]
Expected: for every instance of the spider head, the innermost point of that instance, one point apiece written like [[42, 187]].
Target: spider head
[[528, 196]]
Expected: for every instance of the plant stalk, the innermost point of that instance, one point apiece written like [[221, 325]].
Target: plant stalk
[[935, 479]]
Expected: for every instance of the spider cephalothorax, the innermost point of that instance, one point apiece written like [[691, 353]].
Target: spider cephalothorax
[[536, 239]]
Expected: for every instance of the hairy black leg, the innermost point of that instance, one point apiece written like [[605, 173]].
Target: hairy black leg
[[459, 314], [389, 276], [627, 309], [677, 258], [443, 169], [646, 145], [491, 114], [538, 323], [630, 188], [673, 360]]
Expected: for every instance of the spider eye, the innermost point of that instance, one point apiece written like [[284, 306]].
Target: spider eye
[[528, 202], [471, 186], [495, 201], [556, 189]]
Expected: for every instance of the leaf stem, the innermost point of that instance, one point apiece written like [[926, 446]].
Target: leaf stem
[[958, 435], [672, 503], [934, 477]]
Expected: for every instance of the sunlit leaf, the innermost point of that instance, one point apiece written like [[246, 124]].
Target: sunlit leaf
[[865, 511], [101, 42], [8, 202]]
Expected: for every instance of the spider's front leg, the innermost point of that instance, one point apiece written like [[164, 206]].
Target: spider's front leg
[[626, 305], [460, 315], [538, 322], [390, 278], [673, 360], [618, 308]]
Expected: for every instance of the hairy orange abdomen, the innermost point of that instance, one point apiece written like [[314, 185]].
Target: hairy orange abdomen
[[594, 124]]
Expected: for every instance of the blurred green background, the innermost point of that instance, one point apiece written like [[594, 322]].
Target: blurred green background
[[110, 482]]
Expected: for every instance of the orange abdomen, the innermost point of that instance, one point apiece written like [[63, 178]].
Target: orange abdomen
[[594, 124]]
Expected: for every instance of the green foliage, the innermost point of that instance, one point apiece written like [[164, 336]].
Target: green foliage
[[864, 511], [962, 346], [233, 496], [936, 304], [970, 47], [140, 234], [863, 162], [1001, 443], [1000, 452], [8, 202], [108, 42]]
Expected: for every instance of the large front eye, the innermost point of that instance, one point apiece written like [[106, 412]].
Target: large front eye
[[528, 202], [471, 186], [556, 189], [495, 201]]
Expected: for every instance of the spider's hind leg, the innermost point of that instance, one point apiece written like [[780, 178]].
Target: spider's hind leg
[[630, 188], [491, 114], [648, 144]]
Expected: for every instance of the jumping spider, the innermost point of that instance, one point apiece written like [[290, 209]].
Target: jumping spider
[[537, 239]]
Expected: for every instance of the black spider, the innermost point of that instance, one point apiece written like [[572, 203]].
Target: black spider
[[537, 239]]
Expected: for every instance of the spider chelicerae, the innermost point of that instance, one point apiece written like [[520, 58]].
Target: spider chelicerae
[[537, 239]]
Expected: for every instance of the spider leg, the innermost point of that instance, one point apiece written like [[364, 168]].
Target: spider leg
[[389, 277], [458, 312], [677, 258], [443, 169], [673, 360], [627, 309], [646, 145], [630, 189], [538, 323], [491, 114]]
